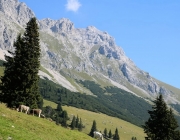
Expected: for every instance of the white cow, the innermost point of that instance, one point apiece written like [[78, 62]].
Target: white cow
[[98, 135], [22, 108]]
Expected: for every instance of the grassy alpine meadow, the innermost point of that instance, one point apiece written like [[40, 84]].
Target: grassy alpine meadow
[[20, 126], [126, 130]]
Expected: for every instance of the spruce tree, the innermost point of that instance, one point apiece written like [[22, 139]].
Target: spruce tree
[[116, 135], [11, 80], [110, 133], [64, 118], [93, 128], [32, 59], [77, 121], [59, 107], [80, 125], [161, 125], [8, 94], [73, 123], [105, 132], [20, 81]]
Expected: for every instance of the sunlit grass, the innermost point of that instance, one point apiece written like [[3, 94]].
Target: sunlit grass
[[126, 129], [20, 126]]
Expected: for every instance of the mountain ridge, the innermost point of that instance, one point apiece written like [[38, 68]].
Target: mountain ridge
[[80, 53]]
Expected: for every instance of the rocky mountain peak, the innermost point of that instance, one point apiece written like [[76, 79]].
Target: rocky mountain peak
[[57, 26], [17, 11]]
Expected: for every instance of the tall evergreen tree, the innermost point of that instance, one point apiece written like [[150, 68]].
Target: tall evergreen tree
[[59, 107], [20, 80], [65, 118], [116, 135], [110, 133], [7, 86], [77, 121], [93, 128], [105, 132], [73, 123], [80, 125], [161, 125], [32, 59]]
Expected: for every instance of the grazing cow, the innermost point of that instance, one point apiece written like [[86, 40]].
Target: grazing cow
[[22, 108], [36, 111], [98, 135], [42, 116]]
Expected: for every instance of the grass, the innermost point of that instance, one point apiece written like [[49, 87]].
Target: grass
[[126, 130], [20, 126]]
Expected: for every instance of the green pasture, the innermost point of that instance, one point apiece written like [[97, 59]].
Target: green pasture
[[126, 129], [20, 126]]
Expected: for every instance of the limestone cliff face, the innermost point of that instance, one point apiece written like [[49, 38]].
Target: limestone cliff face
[[74, 50]]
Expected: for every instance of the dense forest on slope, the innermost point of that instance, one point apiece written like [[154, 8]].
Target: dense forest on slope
[[117, 102], [109, 100]]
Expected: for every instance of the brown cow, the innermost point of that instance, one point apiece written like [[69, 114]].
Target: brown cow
[[36, 111]]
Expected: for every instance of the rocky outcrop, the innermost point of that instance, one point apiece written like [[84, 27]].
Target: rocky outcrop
[[17, 11]]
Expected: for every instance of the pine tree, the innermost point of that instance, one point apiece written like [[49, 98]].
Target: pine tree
[[110, 133], [59, 107], [105, 132], [73, 123], [77, 121], [116, 135], [93, 128], [32, 63], [8, 94], [65, 118], [161, 125], [80, 126], [20, 81]]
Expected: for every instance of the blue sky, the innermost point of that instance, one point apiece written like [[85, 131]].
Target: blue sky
[[147, 30]]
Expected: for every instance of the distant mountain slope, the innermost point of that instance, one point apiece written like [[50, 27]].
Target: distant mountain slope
[[72, 54]]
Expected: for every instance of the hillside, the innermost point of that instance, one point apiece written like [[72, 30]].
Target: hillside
[[19, 126], [126, 129]]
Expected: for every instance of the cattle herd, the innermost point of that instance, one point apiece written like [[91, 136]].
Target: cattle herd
[[26, 109]]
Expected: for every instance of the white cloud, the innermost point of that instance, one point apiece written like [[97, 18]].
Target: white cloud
[[73, 5]]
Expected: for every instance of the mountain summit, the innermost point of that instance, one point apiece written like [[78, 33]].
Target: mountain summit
[[69, 54]]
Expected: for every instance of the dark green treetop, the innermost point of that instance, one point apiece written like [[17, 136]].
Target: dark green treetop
[[161, 125], [77, 121], [80, 125], [110, 133], [20, 81], [116, 135], [93, 128], [73, 123], [105, 132]]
